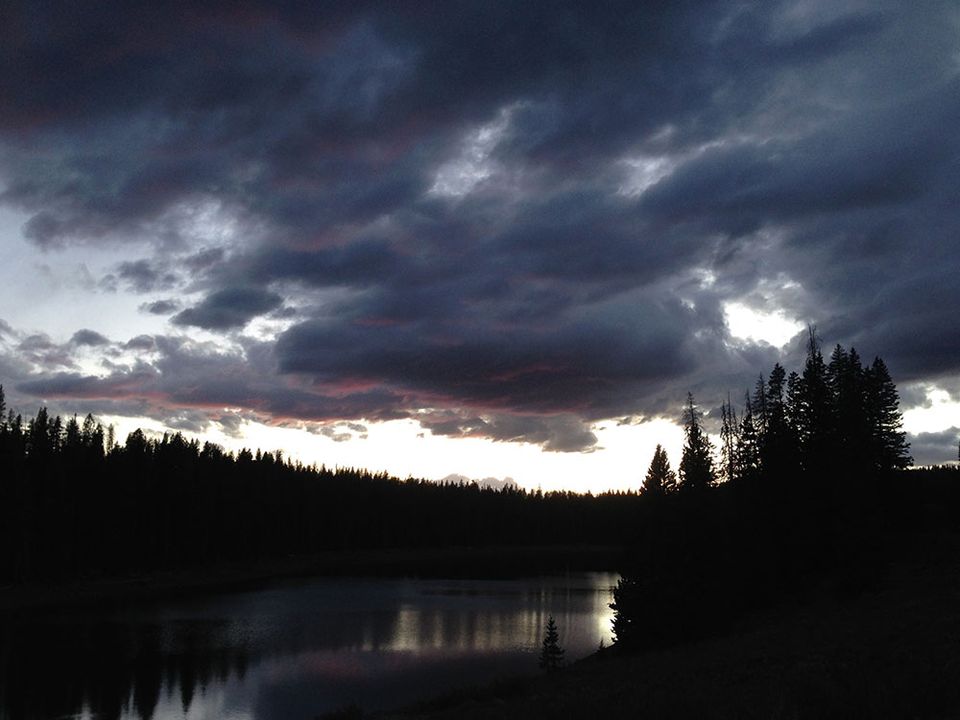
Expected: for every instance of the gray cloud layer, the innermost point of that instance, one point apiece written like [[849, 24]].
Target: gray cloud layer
[[503, 220]]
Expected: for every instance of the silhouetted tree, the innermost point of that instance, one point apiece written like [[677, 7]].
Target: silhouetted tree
[[847, 382], [890, 447], [760, 412], [38, 433], [742, 544], [748, 445], [815, 426], [696, 464], [55, 429], [660, 479], [729, 441], [551, 654], [779, 447], [792, 407], [71, 436]]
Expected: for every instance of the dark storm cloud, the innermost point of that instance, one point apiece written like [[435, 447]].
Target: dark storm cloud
[[188, 385], [72, 384], [564, 433], [231, 424], [192, 421], [44, 353], [88, 337], [161, 307], [143, 276], [556, 368], [140, 342], [204, 259], [229, 308], [505, 220], [932, 448], [333, 432]]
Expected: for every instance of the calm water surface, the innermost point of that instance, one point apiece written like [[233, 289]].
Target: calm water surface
[[293, 650]]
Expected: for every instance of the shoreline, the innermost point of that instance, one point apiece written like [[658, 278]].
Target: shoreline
[[888, 652], [479, 562]]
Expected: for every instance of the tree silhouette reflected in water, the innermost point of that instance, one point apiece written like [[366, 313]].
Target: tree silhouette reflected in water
[[290, 650]]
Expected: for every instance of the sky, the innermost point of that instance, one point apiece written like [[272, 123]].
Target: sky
[[480, 238]]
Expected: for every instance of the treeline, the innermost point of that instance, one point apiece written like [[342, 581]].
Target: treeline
[[833, 418], [809, 488], [74, 504]]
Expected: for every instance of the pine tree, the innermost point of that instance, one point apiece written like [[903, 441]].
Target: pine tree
[[760, 412], [777, 456], [890, 448], [88, 431], [71, 437], [660, 479], [38, 434], [776, 398], [748, 450], [696, 465], [815, 422], [55, 430], [729, 440], [551, 654], [836, 368], [846, 380]]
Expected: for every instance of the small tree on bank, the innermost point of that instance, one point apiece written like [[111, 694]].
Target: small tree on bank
[[551, 654], [660, 479]]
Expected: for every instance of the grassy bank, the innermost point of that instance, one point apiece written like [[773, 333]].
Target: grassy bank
[[892, 651]]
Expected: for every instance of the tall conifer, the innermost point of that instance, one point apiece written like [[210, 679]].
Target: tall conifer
[[748, 450], [696, 465], [777, 450], [660, 479], [890, 447], [815, 424], [729, 440]]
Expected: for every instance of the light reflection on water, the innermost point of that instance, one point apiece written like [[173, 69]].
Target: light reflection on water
[[292, 650]]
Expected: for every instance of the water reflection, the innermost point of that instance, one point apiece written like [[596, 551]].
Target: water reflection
[[290, 651]]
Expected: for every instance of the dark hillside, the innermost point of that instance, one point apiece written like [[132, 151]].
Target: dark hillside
[[890, 652]]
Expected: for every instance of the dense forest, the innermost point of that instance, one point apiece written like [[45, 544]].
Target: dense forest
[[808, 488], [74, 504]]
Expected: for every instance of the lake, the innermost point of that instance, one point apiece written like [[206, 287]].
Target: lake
[[294, 650]]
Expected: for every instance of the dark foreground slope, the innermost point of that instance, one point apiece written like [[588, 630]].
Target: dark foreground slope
[[890, 651]]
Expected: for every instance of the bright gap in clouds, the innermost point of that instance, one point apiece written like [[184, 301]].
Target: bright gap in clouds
[[941, 413], [644, 172], [403, 449], [460, 175], [59, 292], [748, 323]]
